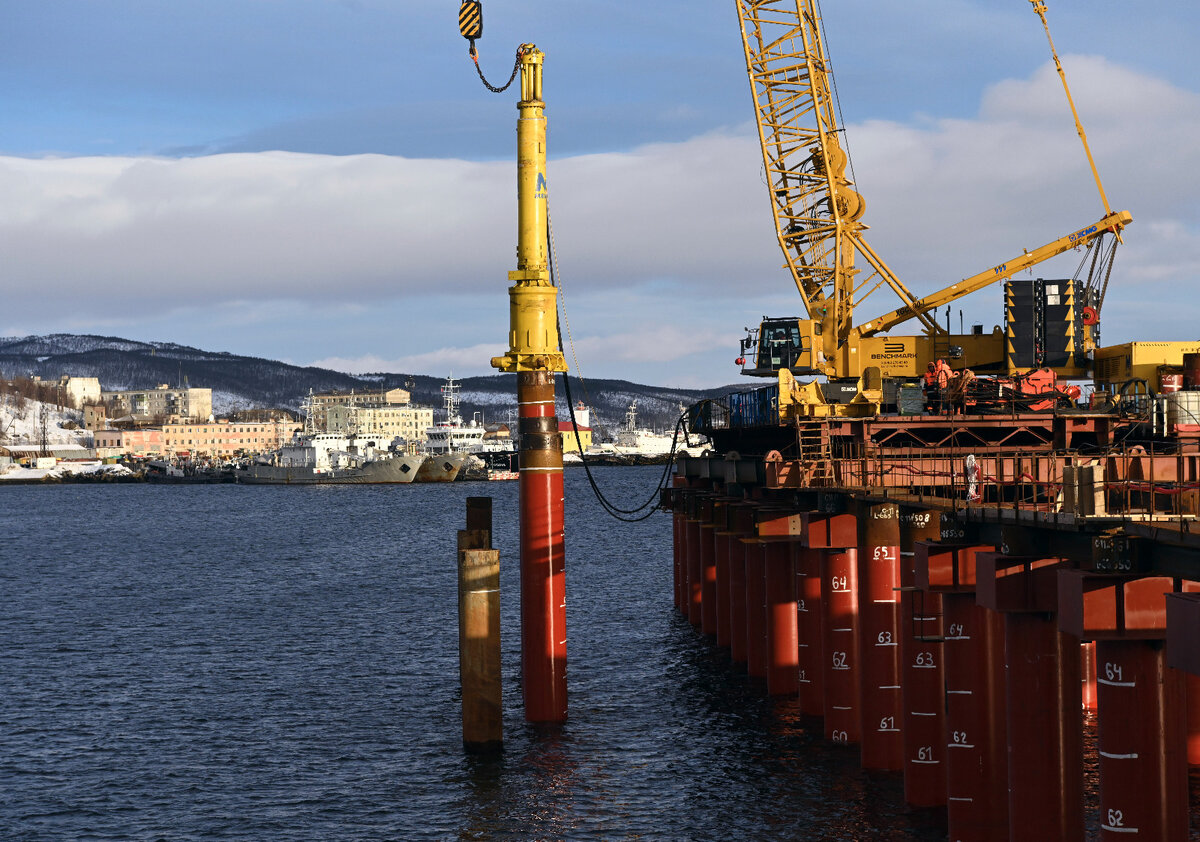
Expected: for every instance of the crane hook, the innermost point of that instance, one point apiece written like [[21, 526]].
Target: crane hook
[[470, 23]]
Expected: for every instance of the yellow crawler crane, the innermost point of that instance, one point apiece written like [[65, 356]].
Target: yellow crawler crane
[[818, 220]]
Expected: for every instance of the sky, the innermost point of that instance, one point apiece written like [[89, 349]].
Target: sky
[[327, 182]]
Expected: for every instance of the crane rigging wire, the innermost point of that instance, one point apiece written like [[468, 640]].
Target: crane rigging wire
[[649, 507], [836, 96]]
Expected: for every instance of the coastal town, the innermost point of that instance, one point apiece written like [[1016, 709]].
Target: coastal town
[[72, 428]]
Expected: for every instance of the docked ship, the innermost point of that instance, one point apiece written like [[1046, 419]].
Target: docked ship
[[483, 453], [448, 443], [316, 458], [332, 458], [633, 443], [632, 440]]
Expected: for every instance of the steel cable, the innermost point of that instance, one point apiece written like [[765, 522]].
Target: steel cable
[[625, 515]]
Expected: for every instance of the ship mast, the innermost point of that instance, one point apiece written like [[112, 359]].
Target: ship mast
[[450, 399]]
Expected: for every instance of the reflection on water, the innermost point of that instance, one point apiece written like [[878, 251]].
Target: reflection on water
[[229, 663]]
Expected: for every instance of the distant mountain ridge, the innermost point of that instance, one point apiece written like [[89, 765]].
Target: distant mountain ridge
[[241, 382]]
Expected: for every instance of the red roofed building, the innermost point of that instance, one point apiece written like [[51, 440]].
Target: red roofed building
[[567, 428]]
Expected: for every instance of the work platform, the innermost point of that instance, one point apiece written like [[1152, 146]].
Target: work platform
[[954, 594]]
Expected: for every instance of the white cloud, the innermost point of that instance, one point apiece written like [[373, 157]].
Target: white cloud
[[464, 361], [950, 198], [667, 251]]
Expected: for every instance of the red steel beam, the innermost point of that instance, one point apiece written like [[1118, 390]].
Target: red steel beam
[[1142, 701], [822, 530], [783, 668], [879, 641], [723, 546], [946, 567], [694, 578], [737, 598], [922, 674], [976, 727], [1142, 737], [708, 579], [1193, 719], [679, 526], [1017, 583], [1183, 630], [810, 631], [843, 710], [756, 609], [1045, 738], [1098, 606], [1042, 694]]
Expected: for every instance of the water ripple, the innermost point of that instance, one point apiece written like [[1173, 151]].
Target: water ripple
[[232, 663]]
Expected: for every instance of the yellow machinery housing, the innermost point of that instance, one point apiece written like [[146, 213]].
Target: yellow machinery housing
[[533, 309], [1117, 365], [818, 220]]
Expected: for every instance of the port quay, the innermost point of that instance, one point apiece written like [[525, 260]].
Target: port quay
[[958, 612]]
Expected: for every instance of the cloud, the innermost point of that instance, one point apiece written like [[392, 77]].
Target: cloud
[[666, 250], [463, 361], [950, 198], [270, 225]]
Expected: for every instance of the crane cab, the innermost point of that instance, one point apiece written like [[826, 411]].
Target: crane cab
[[779, 343]]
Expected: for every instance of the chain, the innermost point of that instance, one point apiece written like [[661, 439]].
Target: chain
[[486, 83]]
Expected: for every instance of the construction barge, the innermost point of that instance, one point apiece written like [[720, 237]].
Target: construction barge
[[951, 547], [954, 592]]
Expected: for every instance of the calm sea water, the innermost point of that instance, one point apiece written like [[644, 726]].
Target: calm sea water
[[279, 663]]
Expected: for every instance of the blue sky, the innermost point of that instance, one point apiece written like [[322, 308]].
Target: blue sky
[[327, 181]]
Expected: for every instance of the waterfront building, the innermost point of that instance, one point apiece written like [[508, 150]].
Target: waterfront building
[[162, 401], [383, 397], [383, 422], [107, 443], [146, 442], [583, 417], [29, 453], [567, 430], [225, 438]]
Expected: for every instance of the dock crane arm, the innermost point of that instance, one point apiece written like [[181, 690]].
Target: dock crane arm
[[1112, 223], [815, 207], [818, 212]]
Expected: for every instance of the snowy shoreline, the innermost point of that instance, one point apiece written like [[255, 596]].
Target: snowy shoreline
[[69, 472]]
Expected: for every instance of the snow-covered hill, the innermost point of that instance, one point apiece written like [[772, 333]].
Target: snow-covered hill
[[240, 382], [21, 423]]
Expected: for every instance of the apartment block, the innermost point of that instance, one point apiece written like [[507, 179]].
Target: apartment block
[[383, 422], [225, 438], [160, 402]]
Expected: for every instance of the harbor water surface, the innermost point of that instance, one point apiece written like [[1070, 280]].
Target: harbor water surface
[[263, 662]]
